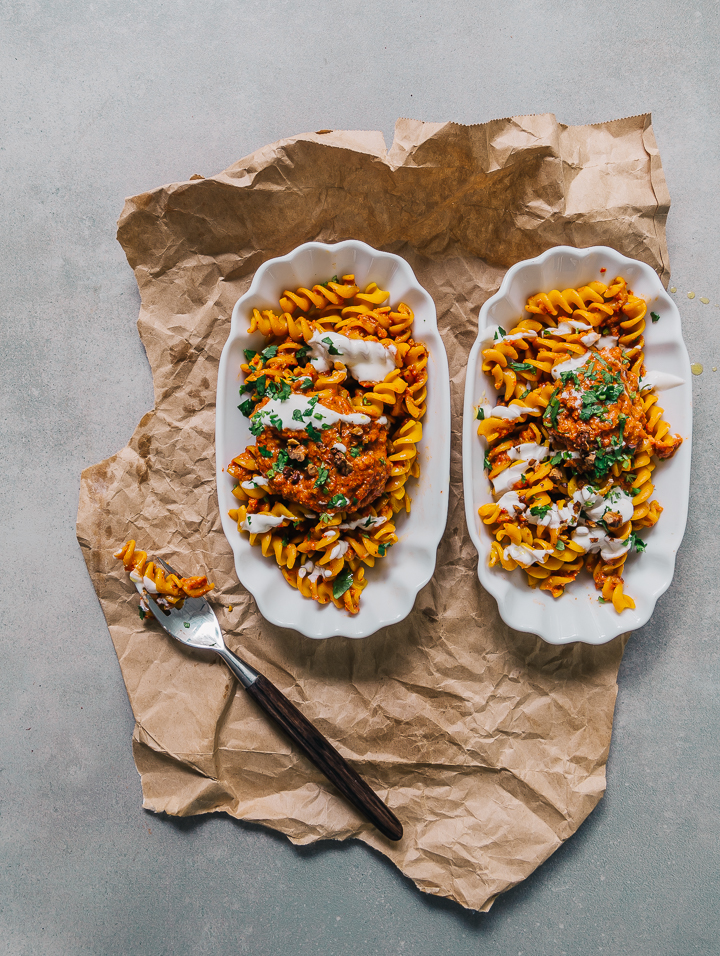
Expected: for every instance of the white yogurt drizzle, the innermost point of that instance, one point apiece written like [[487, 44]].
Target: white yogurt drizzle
[[594, 505], [570, 365], [366, 361], [526, 556], [261, 523], [147, 583], [339, 550], [511, 412], [660, 381], [595, 539], [369, 521], [257, 481], [607, 341], [310, 413]]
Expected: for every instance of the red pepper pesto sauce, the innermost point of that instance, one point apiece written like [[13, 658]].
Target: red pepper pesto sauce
[[360, 478], [616, 419]]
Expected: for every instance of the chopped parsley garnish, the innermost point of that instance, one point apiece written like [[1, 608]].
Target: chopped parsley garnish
[[605, 458], [539, 511], [256, 425], [141, 613], [338, 501], [560, 545], [634, 491], [637, 542], [297, 415], [276, 422], [594, 399], [323, 475], [306, 383], [570, 376], [500, 331], [246, 407], [260, 386], [522, 367], [284, 391], [355, 451], [282, 460], [325, 517], [480, 415], [488, 463], [342, 583], [326, 284], [186, 624], [560, 456], [654, 316], [269, 352], [601, 600], [285, 540], [622, 419], [382, 549], [302, 353], [331, 348], [249, 354], [266, 453], [313, 432], [552, 410]]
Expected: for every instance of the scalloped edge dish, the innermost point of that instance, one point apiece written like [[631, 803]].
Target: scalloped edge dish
[[394, 582], [577, 615]]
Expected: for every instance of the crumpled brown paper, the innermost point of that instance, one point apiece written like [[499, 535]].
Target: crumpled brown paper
[[488, 744]]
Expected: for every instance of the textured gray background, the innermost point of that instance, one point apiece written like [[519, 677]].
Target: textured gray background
[[104, 100]]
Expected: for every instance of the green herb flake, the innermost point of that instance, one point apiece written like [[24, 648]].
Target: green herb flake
[[342, 583], [141, 612], [246, 407], [260, 386], [257, 426], [601, 600], [266, 453], [637, 542], [480, 414], [297, 415], [488, 463], [560, 546], [313, 433], [355, 451], [323, 475], [338, 501], [269, 352], [522, 367], [500, 332], [382, 549], [186, 624], [331, 348], [302, 353], [539, 511], [284, 391], [655, 317], [249, 354], [305, 384]]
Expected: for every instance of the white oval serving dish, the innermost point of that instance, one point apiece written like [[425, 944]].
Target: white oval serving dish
[[394, 581], [577, 615]]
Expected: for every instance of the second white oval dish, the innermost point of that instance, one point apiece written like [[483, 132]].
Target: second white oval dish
[[577, 615]]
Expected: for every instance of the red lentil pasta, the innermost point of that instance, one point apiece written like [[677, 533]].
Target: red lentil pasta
[[573, 439], [335, 402]]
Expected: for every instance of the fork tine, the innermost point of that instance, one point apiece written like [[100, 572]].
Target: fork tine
[[167, 567]]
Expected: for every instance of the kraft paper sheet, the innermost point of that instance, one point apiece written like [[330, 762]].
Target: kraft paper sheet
[[488, 744]]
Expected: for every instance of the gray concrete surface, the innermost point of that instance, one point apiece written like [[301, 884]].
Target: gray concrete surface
[[103, 100]]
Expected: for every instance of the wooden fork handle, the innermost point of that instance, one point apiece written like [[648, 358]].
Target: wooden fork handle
[[324, 756]]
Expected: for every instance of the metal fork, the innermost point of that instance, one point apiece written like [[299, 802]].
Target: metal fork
[[196, 625]]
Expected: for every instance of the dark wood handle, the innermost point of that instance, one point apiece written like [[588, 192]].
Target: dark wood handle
[[325, 757]]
